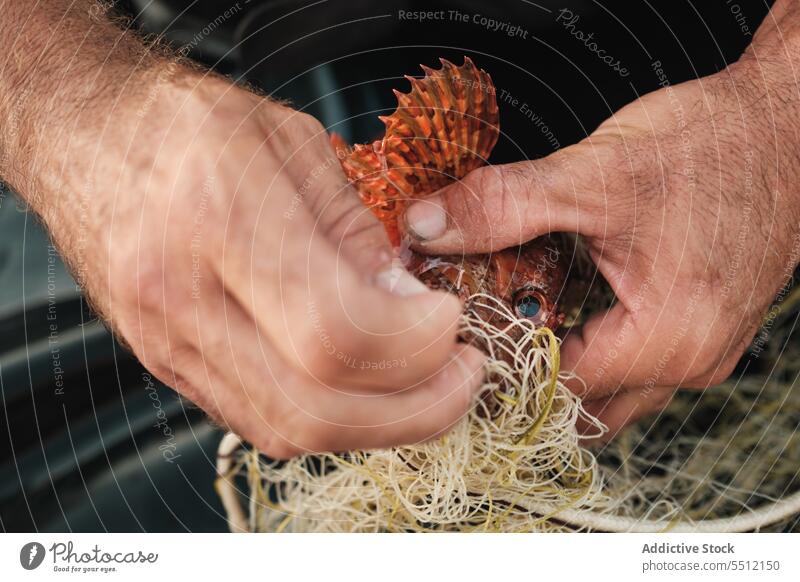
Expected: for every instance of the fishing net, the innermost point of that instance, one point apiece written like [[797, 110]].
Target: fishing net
[[725, 459]]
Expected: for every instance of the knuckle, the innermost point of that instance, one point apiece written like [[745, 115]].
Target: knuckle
[[320, 437], [487, 196], [662, 400], [304, 130], [161, 300], [709, 356], [305, 120], [299, 432], [297, 135], [464, 401], [667, 367], [679, 361], [471, 192], [136, 298], [316, 352], [721, 373], [310, 123], [506, 187], [190, 389], [277, 448], [161, 371], [136, 268], [457, 403], [148, 291], [276, 433]]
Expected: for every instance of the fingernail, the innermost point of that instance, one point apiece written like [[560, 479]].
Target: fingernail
[[397, 280], [426, 220]]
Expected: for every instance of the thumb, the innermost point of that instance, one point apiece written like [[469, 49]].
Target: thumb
[[496, 207]]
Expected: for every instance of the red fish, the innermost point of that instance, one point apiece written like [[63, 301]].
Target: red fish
[[444, 128]]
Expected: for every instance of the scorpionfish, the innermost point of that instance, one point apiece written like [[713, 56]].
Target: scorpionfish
[[444, 128]]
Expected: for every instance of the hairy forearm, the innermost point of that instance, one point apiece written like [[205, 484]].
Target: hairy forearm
[[79, 98], [66, 64]]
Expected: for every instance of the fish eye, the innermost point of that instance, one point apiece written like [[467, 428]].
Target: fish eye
[[528, 304]]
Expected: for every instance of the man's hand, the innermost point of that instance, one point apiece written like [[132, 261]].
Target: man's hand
[[688, 200], [216, 232]]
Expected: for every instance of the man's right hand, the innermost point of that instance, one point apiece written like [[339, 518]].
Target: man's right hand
[[217, 233], [245, 272]]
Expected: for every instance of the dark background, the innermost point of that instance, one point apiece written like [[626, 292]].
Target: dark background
[[84, 456]]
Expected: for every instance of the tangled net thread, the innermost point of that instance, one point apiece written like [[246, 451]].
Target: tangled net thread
[[725, 459]]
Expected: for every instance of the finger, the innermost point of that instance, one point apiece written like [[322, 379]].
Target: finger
[[500, 206], [612, 352], [597, 352], [623, 409], [346, 327], [355, 232], [676, 344], [285, 414], [342, 421], [329, 319], [339, 213]]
